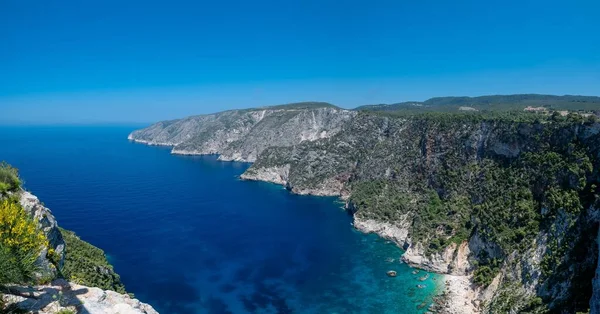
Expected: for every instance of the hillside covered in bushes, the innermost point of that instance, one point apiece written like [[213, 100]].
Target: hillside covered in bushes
[[519, 190], [502, 190]]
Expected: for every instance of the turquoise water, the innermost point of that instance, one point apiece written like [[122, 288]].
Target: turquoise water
[[187, 236]]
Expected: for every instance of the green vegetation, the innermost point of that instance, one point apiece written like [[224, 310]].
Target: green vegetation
[[9, 178], [506, 116], [87, 265], [533, 175], [502, 178], [20, 244], [508, 179], [20, 240], [16, 266], [504, 211], [487, 269], [493, 103], [511, 298], [484, 275], [384, 199]]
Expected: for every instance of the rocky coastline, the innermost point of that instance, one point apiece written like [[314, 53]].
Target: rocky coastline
[[435, 185], [241, 135], [457, 295], [150, 143], [280, 174]]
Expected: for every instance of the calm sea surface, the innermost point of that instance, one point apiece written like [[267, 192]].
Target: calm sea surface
[[187, 236]]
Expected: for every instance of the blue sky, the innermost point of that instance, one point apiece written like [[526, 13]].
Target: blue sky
[[141, 61]]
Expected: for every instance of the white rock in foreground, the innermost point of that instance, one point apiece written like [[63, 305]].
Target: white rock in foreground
[[63, 295]]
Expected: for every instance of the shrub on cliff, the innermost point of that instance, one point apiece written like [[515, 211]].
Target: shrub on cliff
[[9, 178], [20, 244], [15, 267], [87, 265]]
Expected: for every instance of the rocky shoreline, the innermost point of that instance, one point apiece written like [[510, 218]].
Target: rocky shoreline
[[393, 163], [280, 175], [149, 143], [235, 157], [459, 295], [241, 135]]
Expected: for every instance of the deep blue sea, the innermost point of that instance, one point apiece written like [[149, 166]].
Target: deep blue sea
[[187, 236]]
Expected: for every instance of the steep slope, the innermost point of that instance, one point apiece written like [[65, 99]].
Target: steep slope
[[505, 202], [88, 265], [509, 203], [243, 134], [66, 256], [46, 222]]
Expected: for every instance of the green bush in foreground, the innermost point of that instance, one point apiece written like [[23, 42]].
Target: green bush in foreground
[[20, 244], [15, 267]]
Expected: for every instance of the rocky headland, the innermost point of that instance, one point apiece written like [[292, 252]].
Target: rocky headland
[[503, 203], [241, 135]]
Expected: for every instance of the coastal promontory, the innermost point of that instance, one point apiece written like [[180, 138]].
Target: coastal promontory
[[502, 197]]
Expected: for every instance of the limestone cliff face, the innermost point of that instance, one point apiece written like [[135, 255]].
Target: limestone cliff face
[[47, 223], [280, 175], [62, 296], [500, 201], [241, 135], [373, 147], [407, 157], [452, 260]]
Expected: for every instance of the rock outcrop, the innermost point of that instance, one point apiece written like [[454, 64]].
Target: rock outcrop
[[65, 296], [61, 294], [450, 158], [241, 135], [452, 260], [47, 223], [501, 201]]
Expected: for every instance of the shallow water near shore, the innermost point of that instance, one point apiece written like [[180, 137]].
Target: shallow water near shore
[[187, 236]]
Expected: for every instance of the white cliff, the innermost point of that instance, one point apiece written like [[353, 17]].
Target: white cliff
[[241, 135]]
